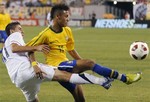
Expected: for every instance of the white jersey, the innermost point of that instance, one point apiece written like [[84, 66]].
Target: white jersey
[[14, 61], [20, 69]]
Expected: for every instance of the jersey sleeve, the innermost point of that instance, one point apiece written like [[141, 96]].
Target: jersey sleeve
[[70, 43], [37, 40]]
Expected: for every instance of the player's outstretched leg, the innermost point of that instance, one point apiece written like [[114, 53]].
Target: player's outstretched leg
[[86, 78], [107, 72]]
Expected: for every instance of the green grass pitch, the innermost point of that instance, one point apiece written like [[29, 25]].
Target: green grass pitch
[[108, 47]]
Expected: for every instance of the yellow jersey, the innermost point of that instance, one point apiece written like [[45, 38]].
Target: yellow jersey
[[59, 43], [4, 20]]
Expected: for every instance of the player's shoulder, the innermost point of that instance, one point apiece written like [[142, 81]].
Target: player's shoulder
[[68, 29], [7, 14], [15, 34], [44, 30]]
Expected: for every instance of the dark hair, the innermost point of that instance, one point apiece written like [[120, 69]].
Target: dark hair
[[58, 9], [10, 26]]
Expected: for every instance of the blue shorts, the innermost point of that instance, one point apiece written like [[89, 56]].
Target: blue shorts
[[3, 36], [67, 66]]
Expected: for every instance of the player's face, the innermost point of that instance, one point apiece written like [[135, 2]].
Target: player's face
[[2, 8], [18, 29], [63, 19]]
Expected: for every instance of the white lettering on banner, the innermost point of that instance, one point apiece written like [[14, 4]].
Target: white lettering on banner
[[140, 26], [117, 23]]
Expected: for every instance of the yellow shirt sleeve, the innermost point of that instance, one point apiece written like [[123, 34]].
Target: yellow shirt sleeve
[[38, 40]]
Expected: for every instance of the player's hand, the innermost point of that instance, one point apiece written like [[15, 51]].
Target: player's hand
[[39, 73], [43, 48]]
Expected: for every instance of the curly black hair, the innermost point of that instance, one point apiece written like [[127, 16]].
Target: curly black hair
[[59, 8]]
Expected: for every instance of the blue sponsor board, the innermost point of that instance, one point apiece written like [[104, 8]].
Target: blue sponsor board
[[120, 23]]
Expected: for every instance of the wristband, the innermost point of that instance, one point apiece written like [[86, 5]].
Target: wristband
[[34, 63]]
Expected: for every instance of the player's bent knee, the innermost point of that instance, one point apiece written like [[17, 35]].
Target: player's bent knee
[[86, 63], [90, 62]]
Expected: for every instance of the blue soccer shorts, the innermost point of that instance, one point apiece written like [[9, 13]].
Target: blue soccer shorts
[[3, 36], [67, 66]]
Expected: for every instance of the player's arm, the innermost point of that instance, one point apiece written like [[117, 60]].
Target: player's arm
[[38, 40], [70, 47], [39, 73], [74, 54], [17, 48]]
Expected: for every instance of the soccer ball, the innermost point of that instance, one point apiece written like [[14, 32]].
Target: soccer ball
[[139, 50]]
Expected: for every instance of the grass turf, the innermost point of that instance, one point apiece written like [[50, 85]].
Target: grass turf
[[108, 47]]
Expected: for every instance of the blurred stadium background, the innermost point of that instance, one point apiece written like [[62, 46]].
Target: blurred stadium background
[[103, 31], [84, 13]]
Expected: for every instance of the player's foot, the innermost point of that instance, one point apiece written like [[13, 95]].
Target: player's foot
[[107, 83], [131, 78]]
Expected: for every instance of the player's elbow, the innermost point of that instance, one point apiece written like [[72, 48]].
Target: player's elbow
[[14, 50]]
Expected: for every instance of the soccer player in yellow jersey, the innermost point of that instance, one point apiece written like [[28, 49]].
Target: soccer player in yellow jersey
[[60, 39], [4, 20]]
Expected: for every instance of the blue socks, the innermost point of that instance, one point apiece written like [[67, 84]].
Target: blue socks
[[123, 78], [107, 72]]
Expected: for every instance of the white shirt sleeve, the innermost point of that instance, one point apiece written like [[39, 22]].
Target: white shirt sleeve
[[17, 38]]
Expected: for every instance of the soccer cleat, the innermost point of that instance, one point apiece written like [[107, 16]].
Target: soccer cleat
[[107, 83], [131, 78]]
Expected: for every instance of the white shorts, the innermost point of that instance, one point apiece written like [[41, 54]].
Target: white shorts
[[29, 84]]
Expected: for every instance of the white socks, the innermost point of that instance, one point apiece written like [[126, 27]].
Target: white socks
[[86, 78]]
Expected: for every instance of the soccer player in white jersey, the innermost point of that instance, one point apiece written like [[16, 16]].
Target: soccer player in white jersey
[[29, 75]]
